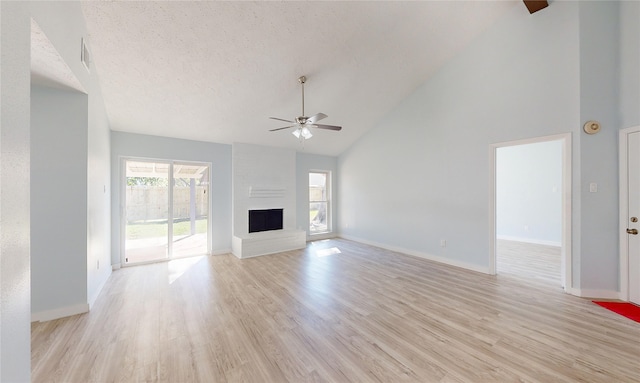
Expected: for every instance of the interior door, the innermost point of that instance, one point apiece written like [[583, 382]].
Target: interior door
[[633, 226]]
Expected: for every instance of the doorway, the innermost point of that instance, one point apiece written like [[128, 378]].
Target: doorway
[[166, 210], [531, 209], [629, 214]]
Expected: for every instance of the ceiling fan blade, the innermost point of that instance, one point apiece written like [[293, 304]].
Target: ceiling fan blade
[[328, 127], [281, 119], [316, 117], [285, 127]]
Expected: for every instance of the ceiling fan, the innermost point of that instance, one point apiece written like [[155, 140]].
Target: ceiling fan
[[303, 123]]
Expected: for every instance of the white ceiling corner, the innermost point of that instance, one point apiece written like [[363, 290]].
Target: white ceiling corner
[[215, 71], [47, 66]]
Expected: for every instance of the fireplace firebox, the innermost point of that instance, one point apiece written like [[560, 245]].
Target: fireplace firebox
[[265, 220]]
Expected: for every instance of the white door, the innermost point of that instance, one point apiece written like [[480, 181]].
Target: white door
[[633, 215]]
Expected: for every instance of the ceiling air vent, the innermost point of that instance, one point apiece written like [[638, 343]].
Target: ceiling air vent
[[535, 5], [85, 55]]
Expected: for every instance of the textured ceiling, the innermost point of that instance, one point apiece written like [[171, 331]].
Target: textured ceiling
[[215, 71], [47, 66]]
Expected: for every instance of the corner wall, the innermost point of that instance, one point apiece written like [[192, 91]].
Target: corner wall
[[423, 173], [63, 24], [58, 202], [15, 284], [599, 100]]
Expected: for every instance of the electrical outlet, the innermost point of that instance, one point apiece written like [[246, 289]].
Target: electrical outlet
[[443, 243]]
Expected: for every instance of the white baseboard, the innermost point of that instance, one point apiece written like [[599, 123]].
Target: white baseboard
[[117, 266], [430, 257], [61, 312], [529, 240], [319, 237], [595, 294], [92, 300]]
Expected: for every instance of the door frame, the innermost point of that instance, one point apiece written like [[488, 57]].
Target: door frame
[[566, 277], [123, 208], [623, 189]]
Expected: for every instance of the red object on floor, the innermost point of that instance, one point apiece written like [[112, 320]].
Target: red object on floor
[[626, 309]]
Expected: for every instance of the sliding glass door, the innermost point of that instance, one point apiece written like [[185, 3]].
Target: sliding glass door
[[163, 219], [146, 211], [190, 209]]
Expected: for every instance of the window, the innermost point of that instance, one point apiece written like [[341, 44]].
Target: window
[[319, 198]]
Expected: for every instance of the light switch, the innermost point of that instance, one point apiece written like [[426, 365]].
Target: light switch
[[593, 187]]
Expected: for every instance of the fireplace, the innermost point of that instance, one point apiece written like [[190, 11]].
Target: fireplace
[[265, 220]]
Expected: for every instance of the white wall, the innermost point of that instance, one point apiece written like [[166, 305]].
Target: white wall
[[527, 76], [256, 166], [15, 313], [142, 146], [305, 163], [529, 193], [629, 64], [423, 173], [98, 194], [596, 236], [64, 26], [59, 132]]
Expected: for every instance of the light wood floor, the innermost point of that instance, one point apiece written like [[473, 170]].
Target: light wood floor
[[318, 315], [528, 261]]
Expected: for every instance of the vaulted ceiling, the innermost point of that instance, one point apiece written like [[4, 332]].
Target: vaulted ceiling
[[215, 71]]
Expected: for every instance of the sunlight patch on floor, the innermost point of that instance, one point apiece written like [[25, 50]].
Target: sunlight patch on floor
[[180, 266], [327, 252]]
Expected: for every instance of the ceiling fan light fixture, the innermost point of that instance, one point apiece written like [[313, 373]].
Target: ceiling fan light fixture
[[302, 124], [302, 133], [306, 133]]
